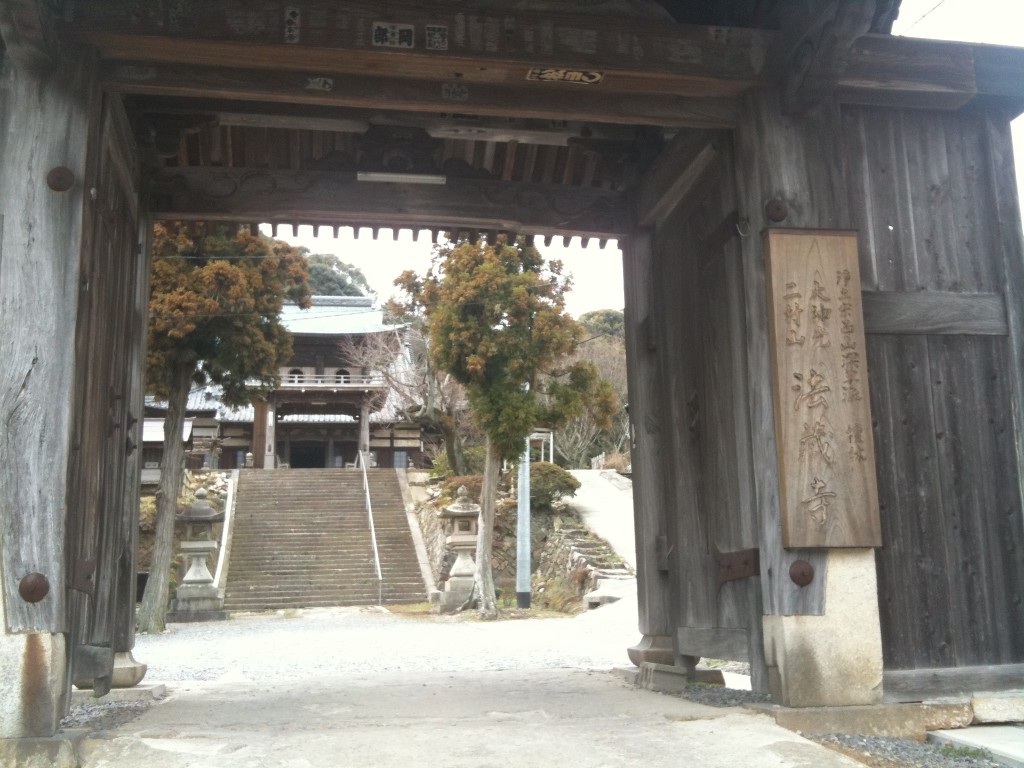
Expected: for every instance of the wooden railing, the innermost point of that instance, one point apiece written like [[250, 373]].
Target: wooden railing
[[330, 381]]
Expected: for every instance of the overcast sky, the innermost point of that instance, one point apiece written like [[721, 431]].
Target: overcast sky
[[598, 273]]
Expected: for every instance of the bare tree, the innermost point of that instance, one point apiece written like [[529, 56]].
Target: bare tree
[[419, 392], [582, 437]]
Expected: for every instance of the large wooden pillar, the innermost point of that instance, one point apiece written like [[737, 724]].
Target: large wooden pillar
[[822, 640], [647, 434], [44, 128]]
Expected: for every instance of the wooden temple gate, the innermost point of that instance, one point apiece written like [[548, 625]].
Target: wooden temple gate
[[756, 163]]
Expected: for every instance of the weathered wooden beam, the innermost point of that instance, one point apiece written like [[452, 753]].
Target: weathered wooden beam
[[924, 684], [673, 175], [336, 198], [713, 642], [432, 43], [27, 30], [935, 312], [513, 100], [935, 74], [439, 126], [909, 73]]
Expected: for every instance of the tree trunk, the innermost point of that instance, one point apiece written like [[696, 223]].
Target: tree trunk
[[172, 468], [452, 446], [488, 605]]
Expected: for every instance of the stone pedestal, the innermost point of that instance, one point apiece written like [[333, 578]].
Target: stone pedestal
[[196, 598], [833, 660]]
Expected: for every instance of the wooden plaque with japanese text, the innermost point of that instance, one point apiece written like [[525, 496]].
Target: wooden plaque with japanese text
[[828, 489]]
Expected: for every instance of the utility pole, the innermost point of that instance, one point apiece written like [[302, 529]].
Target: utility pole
[[523, 531]]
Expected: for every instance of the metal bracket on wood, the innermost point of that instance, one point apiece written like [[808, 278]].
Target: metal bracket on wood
[[741, 564], [82, 576]]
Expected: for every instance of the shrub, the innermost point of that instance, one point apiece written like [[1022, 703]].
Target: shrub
[[549, 483], [472, 457], [474, 484], [617, 461]]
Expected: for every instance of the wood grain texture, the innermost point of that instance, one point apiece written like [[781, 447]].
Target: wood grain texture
[[336, 198], [509, 98], [933, 196], [645, 397], [103, 486], [828, 494], [44, 122], [935, 312], [925, 684], [713, 642], [673, 175], [674, 58], [797, 161]]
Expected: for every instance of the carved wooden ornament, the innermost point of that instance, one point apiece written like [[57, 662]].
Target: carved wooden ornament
[[827, 481]]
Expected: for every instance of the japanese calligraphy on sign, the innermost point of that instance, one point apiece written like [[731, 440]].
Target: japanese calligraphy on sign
[[550, 75], [827, 483], [388, 35]]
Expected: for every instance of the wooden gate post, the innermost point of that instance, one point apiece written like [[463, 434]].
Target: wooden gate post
[[645, 428], [822, 638], [44, 129]]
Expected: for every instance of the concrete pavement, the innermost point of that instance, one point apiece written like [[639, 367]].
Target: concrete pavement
[[604, 501], [523, 719], [313, 691]]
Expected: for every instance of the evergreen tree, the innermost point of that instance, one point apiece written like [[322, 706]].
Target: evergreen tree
[[214, 316], [497, 323]]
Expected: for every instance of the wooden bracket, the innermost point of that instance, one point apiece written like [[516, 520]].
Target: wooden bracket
[[26, 27], [741, 564], [817, 47]]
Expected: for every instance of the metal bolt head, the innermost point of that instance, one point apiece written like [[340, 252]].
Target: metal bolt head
[[33, 587], [60, 179], [801, 572], [776, 210]]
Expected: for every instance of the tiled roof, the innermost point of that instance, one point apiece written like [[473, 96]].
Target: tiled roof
[[335, 315]]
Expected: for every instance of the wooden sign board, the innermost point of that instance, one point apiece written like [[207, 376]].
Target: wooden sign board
[[826, 453]]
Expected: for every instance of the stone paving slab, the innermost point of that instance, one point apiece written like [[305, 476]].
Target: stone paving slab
[[1004, 743], [506, 719]]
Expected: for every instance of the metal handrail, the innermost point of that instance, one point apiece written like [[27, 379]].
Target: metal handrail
[[361, 463]]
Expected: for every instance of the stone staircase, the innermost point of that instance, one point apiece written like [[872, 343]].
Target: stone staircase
[[301, 540]]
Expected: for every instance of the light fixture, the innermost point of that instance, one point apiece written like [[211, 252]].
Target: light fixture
[[401, 178]]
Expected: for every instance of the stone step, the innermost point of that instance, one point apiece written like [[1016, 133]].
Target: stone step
[[301, 539]]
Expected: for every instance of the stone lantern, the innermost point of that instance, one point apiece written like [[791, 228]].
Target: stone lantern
[[196, 598], [461, 521]]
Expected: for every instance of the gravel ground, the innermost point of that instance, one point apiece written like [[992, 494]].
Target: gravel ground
[[341, 642]]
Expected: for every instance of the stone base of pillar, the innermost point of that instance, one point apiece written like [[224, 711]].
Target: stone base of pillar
[[197, 602], [656, 649], [127, 672], [833, 660], [59, 751], [457, 591], [33, 673]]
